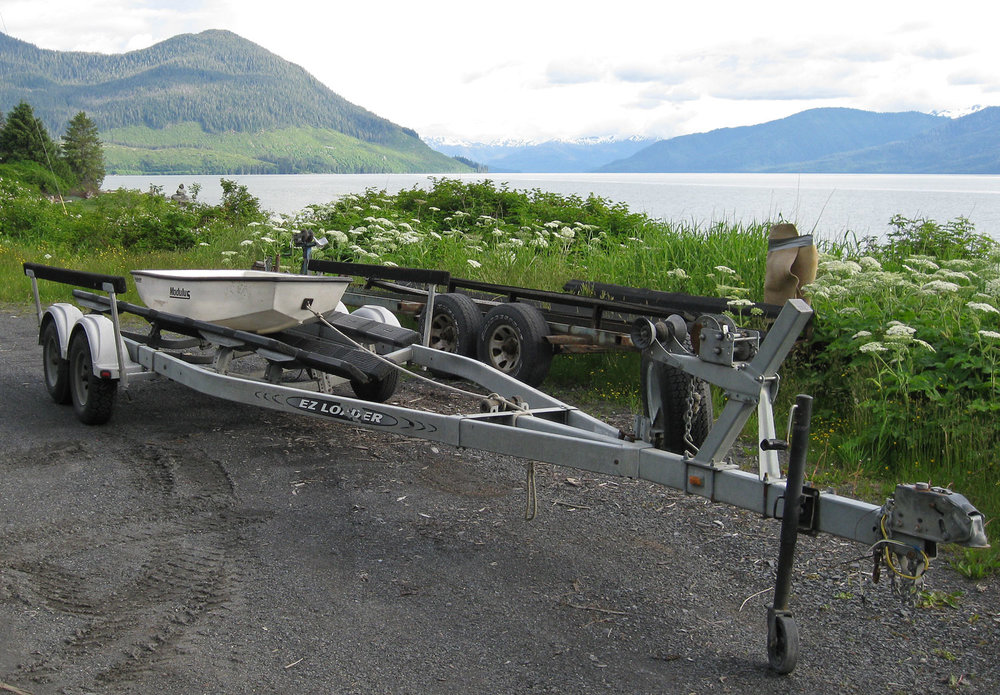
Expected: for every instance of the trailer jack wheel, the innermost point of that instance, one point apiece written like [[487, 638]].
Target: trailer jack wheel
[[93, 397], [782, 642]]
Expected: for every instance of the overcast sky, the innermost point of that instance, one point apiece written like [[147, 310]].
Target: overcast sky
[[539, 69]]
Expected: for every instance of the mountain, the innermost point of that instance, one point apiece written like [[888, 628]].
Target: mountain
[[966, 145], [556, 156], [209, 103], [789, 144]]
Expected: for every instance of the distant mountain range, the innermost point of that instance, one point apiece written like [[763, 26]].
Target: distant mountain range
[[551, 156], [834, 141], [828, 140], [215, 103], [209, 103]]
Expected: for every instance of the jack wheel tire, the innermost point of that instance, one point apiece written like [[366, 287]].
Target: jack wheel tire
[[93, 397], [56, 369], [512, 340], [783, 644], [663, 390]]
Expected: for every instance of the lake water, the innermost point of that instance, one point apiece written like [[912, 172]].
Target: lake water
[[828, 205]]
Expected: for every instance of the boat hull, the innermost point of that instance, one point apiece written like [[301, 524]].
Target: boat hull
[[248, 300]]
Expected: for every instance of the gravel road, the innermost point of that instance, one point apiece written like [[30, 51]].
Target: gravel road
[[198, 546]]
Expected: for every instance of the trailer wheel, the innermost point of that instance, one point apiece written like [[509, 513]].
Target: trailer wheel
[[512, 340], [93, 397], [455, 325], [56, 369], [377, 390], [664, 391]]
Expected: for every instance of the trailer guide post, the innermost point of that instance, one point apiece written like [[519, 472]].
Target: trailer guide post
[[81, 360]]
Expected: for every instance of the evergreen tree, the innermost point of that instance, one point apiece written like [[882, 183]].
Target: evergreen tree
[[24, 138], [82, 151]]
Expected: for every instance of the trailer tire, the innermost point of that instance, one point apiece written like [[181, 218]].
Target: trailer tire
[[55, 368], [93, 397], [377, 390], [455, 325], [663, 384], [512, 340]]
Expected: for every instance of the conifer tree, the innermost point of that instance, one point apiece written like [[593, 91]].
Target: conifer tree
[[24, 138], [82, 151]]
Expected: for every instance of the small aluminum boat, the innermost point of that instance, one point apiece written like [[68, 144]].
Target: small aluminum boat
[[257, 301]]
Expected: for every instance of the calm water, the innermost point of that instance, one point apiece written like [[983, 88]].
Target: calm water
[[829, 205]]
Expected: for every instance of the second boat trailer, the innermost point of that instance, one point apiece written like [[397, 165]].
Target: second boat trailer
[[88, 357]]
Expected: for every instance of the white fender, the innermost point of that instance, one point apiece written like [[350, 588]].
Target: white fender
[[65, 316], [377, 313], [101, 336]]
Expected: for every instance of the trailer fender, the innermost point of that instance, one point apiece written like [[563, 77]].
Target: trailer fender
[[377, 313], [65, 317], [101, 337]]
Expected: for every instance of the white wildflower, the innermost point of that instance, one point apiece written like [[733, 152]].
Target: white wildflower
[[246, 242], [990, 334], [862, 334], [873, 347], [389, 264], [228, 253], [474, 263], [983, 307], [869, 263], [739, 302], [939, 287], [845, 267], [679, 273], [897, 329], [267, 239], [922, 262], [204, 243], [49, 255], [725, 269], [337, 236]]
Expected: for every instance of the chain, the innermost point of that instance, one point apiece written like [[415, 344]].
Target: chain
[[690, 402]]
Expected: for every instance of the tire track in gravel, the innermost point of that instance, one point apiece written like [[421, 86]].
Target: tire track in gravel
[[186, 544]]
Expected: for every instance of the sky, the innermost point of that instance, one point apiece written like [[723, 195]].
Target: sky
[[518, 70]]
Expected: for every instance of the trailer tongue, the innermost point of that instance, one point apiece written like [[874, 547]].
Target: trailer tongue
[[87, 357]]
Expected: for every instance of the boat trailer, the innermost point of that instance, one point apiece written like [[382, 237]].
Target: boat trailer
[[88, 357]]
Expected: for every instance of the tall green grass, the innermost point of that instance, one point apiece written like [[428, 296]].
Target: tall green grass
[[902, 356]]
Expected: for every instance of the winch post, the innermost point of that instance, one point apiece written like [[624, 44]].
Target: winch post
[[782, 633]]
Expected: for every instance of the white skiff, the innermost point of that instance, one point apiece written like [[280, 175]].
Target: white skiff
[[249, 300]]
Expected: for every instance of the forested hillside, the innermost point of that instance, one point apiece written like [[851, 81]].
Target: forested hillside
[[219, 81]]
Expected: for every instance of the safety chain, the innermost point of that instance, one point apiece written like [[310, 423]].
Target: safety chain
[[690, 402]]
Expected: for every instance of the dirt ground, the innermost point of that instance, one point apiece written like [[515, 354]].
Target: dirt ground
[[193, 545]]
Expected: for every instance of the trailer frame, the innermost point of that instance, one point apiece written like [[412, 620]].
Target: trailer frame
[[519, 420]]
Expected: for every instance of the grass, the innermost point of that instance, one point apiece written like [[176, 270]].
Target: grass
[[902, 359]]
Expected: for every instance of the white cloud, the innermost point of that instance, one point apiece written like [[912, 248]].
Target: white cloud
[[573, 68]]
